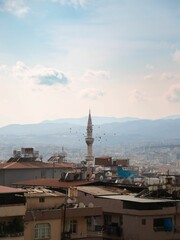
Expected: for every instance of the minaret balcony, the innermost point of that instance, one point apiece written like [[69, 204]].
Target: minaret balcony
[[89, 140]]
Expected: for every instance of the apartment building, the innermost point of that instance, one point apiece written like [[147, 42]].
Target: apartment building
[[12, 212], [11, 172], [128, 217], [43, 218], [54, 215]]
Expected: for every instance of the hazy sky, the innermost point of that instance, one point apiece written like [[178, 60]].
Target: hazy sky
[[58, 58]]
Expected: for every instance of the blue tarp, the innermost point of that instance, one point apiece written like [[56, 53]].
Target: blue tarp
[[168, 224], [126, 173]]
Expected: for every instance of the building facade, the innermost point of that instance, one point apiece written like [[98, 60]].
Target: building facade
[[12, 212], [54, 216], [128, 217]]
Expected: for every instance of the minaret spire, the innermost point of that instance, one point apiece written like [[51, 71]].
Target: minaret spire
[[89, 139]]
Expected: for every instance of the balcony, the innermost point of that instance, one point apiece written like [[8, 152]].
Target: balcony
[[83, 212], [13, 229], [112, 231], [90, 235], [12, 210], [13, 236]]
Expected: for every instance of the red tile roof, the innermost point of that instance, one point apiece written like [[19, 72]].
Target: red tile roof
[[4, 189], [15, 165], [51, 182]]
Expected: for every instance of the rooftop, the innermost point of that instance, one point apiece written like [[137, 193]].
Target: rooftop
[[42, 192], [36, 164], [51, 182], [4, 189], [101, 191], [132, 198]]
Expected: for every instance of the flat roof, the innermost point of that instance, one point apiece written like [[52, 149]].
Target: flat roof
[[4, 189], [42, 192], [132, 198], [99, 191], [35, 164], [51, 182]]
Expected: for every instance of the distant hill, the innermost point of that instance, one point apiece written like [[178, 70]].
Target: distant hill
[[96, 120], [172, 117], [109, 134], [72, 131]]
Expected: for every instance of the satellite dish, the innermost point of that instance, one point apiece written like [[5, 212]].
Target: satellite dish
[[101, 178], [90, 205], [69, 200], [81, 205]]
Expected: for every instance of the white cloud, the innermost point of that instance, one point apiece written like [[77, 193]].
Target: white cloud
[[3, 68], [137, 96], [148, 77], [172, 77], [149, 66], [16, 7], [49, 76], [74, 3], [20, 69], [176, 56], [167, 76], [92, 94], [42, 75], [173, 94], [91, 75]]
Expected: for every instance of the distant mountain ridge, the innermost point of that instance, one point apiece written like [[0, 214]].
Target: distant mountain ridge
[[108, 133], [71, 132], [96, 120]]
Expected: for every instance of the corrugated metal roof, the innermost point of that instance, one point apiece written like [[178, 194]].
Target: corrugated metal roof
[[18, 165], [39, 192], [103, 156], [138, 200], [51, 182], [98, 191], [4, 189]]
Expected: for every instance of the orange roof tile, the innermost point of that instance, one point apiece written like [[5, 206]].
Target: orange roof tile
[[51, 182], [4, 189], [12, 165]]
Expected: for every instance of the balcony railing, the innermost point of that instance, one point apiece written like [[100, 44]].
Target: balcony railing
[[112, 231], [95, 234], [15, 228], [11, 235], [12, 210]]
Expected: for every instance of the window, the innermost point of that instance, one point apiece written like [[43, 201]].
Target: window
[[42, 231], [107, 219], [89, 220], [120, 220], [73, 226], [42, 199], [163, 224], [143, 221]]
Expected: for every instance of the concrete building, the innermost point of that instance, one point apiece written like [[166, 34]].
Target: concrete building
[[43, 219], [108, 161], [53, 215], [25, 155], [11, 172], [128, 217], [12, 212]]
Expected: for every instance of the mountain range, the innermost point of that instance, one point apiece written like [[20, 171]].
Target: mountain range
[[166, 128], [113, 130]]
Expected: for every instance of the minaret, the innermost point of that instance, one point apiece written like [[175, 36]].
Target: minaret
[[89, 140]]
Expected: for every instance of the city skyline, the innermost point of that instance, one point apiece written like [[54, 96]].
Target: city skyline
[[58, 58]]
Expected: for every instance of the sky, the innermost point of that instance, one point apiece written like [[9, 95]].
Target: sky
[[60, 58]]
